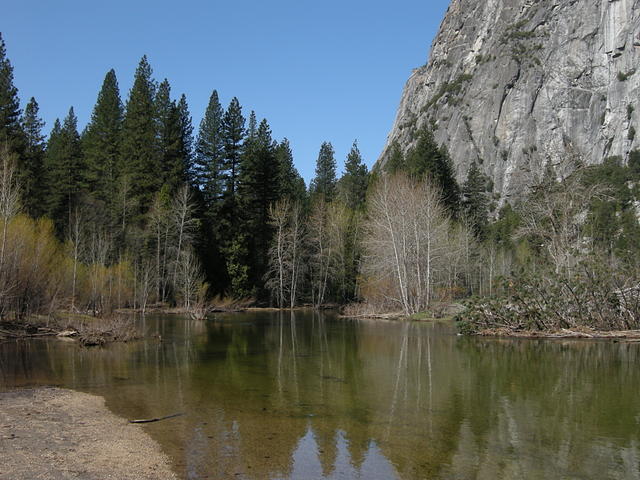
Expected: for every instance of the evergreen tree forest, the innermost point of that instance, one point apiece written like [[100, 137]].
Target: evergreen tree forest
[[182, 212]]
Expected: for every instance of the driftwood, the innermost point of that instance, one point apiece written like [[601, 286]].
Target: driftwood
[[375, 316], [151, 420], [586, 333], [23, 334], [67, 333]]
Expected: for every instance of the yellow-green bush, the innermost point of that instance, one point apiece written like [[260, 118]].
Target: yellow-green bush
[[37, 274]]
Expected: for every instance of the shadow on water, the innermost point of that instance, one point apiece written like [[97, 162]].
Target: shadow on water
[[307, 395]]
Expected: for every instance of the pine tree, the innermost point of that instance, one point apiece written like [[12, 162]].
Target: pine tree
[[427, 159], [324, 183], [173, 164], [186, 138], [291, 183], [31, 167], [162, 106], [475, 202], [166, 128], [139, 154], [259, 189], [231, 240], [446, 178], [502, 231], [10, 131], [206, 174], [64, 171], [233, 134], [252, 129], [52, 162], [396, 161], [101, 144], [353, 184], [352, 188], [237, 267], [207, 170]]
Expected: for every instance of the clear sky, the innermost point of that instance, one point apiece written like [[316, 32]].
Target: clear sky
[[325, 70]]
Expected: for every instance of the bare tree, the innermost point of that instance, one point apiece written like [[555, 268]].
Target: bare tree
[[296, 243], [408, 236], [189, 279], [99, 249], [278, 218], [9, 207], [9, 195], [339, 218], [144, 283], [324, 239], [458, 261], [75, 241], [555, 215], [124, 200], [285, 254], [160, 224], [185, 224]]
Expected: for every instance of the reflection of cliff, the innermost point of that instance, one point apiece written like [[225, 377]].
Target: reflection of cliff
[[549, 410], [309, 396]]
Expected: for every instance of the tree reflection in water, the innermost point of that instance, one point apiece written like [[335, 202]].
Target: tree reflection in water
[[308, 395]]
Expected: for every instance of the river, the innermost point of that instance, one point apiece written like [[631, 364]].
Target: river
[[304, 395]]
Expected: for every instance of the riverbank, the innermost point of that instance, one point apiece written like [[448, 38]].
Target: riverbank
[[443, 311], [220, 308], [88, 330], [62, 434], [564, 333]]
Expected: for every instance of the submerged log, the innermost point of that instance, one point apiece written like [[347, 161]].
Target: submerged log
[[151, 420]]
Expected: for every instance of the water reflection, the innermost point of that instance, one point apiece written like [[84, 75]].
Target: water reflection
[[306, 395]]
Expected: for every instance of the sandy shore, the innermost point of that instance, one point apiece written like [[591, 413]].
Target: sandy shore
[[51, 433]]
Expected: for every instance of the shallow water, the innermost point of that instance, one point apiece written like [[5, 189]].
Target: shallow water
[[310, 396]]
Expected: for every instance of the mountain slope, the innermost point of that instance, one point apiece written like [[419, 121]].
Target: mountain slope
[[515, 85]]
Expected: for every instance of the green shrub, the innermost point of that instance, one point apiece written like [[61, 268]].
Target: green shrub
[[623, 76]]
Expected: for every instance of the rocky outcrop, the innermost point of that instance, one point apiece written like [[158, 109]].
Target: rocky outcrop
[[516, 85]]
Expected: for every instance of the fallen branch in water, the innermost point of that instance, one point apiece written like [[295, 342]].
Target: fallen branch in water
[[376, 316], [20, 331], [151, 420], [585, 333], [103, 331]]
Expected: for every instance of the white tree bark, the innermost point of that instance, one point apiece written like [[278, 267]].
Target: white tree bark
[[408, 237]]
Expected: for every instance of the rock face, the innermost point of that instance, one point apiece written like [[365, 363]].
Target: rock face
[[516, 85]]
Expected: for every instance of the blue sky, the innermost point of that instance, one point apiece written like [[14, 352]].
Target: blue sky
[[330, 70]]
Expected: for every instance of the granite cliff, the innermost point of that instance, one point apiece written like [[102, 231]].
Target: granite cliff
[[516, 85]]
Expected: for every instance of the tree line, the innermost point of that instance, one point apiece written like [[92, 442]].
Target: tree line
[[190, 214], [140, 208], [187, 211], [221, 210]]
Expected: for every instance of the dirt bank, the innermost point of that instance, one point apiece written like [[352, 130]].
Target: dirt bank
[[89, 331], [51, 433]]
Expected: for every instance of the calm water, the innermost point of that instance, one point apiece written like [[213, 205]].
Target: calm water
[[309, 396]]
